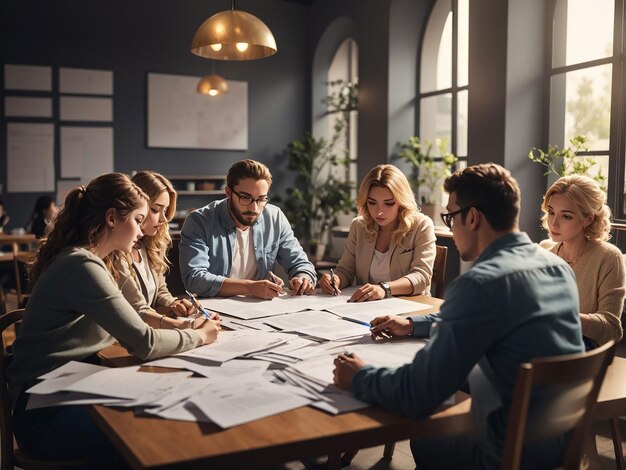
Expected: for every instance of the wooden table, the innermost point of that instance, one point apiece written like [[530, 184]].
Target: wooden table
[[148, 442], [16, 242]]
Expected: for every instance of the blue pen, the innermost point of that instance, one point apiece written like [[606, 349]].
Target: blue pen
[[195, 302]]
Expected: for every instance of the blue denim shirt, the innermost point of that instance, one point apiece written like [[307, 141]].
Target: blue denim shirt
[[516, 303], [208, 236]]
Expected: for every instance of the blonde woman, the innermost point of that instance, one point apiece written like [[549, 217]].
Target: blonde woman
[[577, 219], [390, 249], [142, 273]]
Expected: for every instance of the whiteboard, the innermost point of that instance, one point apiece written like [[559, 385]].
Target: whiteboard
[[178, 117]]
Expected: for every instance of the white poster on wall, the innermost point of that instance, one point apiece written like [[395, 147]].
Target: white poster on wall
[[24, 106], [30, 157], [86, 152], [63, 189], [179, 117], [27, 77], [76, 108], [85, 81]]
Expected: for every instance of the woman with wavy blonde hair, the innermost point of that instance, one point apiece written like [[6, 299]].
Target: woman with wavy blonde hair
[[142, 273], [578, 221], [390, 249]]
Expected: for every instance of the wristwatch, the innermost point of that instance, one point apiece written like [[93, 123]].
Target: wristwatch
[[386, 288]]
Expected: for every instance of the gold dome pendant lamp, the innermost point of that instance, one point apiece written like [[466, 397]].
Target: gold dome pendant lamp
[[213, 84], [233, 35]]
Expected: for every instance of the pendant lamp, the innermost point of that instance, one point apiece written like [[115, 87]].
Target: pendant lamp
[[213, 84], [233, 35]]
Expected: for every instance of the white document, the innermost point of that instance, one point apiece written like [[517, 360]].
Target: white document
[[246, 402], [27, 77], [86, 152], [72, 367], [30, 157], [319, 324], [123, 382], [60, 383], [77, 108], [23, 106], [236, 344], [85, 81], [68, 399], [367, 311]]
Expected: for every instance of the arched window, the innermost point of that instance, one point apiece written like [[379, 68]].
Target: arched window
[[343, 79], [443, 84], [586, 63]]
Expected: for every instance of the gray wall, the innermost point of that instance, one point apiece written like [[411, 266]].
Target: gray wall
[[132, 38]]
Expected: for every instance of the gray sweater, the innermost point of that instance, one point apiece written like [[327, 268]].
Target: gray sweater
[[75, 310]]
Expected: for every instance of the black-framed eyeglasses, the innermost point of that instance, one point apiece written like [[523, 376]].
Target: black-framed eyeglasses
[[448, 218], [246, 200]]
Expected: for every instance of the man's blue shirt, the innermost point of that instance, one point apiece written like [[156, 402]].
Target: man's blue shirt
[[207, 239], [517, 302]]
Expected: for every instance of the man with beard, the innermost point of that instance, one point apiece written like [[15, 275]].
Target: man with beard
[[228, 247]]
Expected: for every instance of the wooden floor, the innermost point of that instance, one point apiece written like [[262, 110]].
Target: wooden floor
[[371, 459]]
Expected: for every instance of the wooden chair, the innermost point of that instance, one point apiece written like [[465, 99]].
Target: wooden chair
[[578, 378], [10, 455], [439, 272], [22, 287]]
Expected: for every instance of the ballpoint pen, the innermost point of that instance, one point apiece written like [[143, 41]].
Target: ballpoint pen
[[332, 281], [199, 307]]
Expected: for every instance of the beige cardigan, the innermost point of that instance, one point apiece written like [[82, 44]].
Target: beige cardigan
[[414, 262], [600, 279]]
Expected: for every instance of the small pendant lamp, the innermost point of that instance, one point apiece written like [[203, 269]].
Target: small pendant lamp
[[213, 84], [233, 35]]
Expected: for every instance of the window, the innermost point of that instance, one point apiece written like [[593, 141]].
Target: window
[[586, 63], [344, 69], [443, 87]]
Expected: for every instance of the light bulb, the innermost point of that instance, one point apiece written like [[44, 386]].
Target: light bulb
[[216, 47], [242, 46], [212, 92]]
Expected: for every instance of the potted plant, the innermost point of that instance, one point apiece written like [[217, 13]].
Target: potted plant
[[321, 192], [429, 171], [565, 161]]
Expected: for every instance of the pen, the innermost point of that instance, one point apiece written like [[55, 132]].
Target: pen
[[197, 304], [332, 281], [364, 323]]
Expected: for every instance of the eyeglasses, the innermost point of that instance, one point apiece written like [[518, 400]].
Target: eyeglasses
[[448, 218], [246, 200]]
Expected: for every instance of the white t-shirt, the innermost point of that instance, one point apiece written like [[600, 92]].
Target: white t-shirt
[[379, 269], [244, 262]]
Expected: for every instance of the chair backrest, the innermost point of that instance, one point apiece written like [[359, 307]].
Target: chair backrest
[[439, 272], [173, 277], [569, 387], [22, 286], [6, 428]]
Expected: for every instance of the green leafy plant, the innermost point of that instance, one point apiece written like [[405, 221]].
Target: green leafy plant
[[320, 193], [430, 171], [565, 161]]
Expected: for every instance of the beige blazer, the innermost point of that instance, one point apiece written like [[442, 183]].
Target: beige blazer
[[414, 260]]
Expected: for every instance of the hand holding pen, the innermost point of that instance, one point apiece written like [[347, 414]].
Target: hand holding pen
[[276, 280], [329, 283], [199, 308]]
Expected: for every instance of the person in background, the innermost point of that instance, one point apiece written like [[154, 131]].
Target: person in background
[[495, 317], [44, 213], [577, 219], [390, 249], [76, 309], [229, 247], [142, 273], [4, 217]]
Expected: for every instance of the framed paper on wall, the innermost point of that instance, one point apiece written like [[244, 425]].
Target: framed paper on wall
[[178, 117]]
